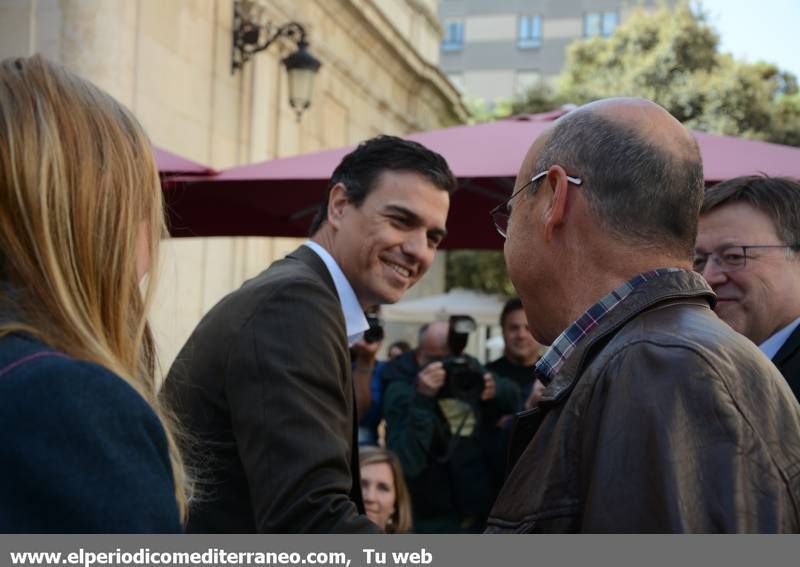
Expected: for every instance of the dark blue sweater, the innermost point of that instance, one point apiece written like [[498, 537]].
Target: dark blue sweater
[[80, 450]]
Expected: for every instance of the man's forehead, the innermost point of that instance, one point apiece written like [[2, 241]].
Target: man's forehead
[[735, 223], [516, 314], [746, 216], [413, 195], [432, 214]]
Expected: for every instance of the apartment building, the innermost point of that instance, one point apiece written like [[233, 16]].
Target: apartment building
[[497, 49]]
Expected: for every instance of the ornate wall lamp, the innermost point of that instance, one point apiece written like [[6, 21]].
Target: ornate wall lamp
[[251, 34]]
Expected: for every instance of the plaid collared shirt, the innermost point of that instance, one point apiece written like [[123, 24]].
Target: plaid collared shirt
[[552, 361]]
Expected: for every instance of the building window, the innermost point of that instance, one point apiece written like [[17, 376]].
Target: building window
[[591, 24], [599, 23], [529, 32], [610, 21], [453, 35]]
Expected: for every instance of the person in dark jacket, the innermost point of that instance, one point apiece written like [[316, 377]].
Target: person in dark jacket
[[748, 250], [85, 445], [520, 352], [264, 384], [446, 444], [657, 416]]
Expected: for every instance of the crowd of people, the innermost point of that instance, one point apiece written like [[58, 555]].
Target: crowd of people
[[649, 380], [451, 445]]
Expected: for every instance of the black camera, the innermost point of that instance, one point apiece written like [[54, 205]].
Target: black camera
[[464, 379], [375, 332]]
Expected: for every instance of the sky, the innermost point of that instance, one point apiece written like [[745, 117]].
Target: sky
[[753, 30]]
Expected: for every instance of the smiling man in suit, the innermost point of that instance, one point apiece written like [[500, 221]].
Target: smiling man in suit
[[748, 249], [264, 387]]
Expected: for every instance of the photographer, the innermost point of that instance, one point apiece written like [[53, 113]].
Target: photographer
[[442, 428]]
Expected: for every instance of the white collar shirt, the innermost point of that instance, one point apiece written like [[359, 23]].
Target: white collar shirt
[[354, 319], [772, 345]]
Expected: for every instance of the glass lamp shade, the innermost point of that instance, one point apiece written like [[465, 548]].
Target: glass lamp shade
[[301, 66], [301, 85]]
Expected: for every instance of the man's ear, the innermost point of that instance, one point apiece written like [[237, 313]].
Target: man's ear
[[555, 212], [337, 204]]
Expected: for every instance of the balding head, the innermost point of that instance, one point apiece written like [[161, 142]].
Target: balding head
[[433, 342], [641, 170], [651, 123]]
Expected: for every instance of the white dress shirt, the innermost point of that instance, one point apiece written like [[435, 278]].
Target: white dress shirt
[[354, 319], [772, 345]]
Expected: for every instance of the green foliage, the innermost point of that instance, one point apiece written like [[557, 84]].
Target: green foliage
[[540, 98], [650, 55], [479, 111], [787, 117], [671, 56], [484, 270]]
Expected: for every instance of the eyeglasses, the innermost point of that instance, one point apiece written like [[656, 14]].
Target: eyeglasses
[[500, 214], [730, 258]]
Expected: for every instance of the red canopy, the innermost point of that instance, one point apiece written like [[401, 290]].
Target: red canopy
[[279, 197], [170, 164], [725, 157]]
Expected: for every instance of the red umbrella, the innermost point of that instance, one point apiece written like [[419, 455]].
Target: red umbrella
[[279, 197], [170, 164], [725, 157]]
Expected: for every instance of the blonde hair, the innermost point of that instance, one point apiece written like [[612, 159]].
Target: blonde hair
[[77, 180], [401, 520]]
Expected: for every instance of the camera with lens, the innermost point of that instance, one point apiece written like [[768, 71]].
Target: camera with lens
[[464, 379], [375, 332]]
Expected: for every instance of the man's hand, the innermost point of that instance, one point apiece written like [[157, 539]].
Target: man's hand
[[431, 379], [362, 374], [365, 352], [489, 388], [536, 392]]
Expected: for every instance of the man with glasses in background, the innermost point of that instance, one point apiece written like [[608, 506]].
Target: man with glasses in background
[[748, 249], [656, 416]]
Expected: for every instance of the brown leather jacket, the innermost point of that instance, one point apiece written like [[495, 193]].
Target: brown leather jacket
[[663, 419]]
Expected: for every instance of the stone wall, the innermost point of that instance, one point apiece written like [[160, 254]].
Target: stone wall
[[170, 62]]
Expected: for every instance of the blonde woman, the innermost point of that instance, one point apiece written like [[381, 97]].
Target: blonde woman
[[84, 443], [386, 498]]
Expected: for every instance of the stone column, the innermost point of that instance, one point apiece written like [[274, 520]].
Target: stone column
[[98, 41]]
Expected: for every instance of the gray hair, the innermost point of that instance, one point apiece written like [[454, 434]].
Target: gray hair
[[641, 193]]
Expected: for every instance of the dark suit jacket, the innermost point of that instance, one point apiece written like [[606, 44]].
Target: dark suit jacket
[[81, 450], [787, 359], [264, 389]]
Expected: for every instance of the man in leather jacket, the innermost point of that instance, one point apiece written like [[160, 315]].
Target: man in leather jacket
[[657, 417]]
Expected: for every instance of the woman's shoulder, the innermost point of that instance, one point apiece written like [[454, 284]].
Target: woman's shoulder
[[18, 350], [27, 364], [92, 447], [27, 360]]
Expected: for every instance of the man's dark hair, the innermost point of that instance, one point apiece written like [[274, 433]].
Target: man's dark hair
[[643, 194], [360, 170], [776, 197], [513, 304]]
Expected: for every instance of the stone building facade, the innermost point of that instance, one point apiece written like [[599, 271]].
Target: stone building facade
[[170, 62]]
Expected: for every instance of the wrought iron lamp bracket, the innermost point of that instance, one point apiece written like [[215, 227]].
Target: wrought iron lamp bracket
[[247, 37]]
